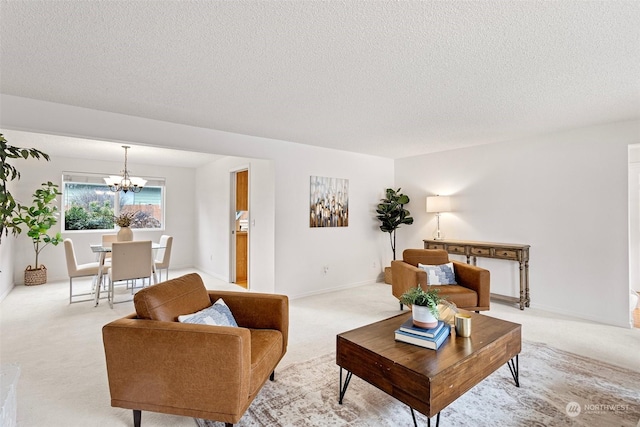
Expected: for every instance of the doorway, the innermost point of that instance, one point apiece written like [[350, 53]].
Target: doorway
[[240, 228]]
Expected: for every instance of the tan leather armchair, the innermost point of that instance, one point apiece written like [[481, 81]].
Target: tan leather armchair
[[155, 363], [471, 293]]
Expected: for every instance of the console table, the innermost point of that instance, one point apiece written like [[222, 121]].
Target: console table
[[507, 251]]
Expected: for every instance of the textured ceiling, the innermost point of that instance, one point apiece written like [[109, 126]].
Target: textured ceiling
[[387, 78]]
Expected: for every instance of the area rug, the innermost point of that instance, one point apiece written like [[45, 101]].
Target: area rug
[[557, 388]]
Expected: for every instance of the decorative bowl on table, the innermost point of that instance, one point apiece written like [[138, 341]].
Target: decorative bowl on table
[[448, 311]]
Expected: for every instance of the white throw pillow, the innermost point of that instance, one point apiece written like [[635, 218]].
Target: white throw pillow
[[217, 314], [442, 274]]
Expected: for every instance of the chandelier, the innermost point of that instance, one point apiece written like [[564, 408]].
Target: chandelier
[[125, 182]]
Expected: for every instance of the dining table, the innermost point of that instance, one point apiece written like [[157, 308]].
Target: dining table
[[102, 251]]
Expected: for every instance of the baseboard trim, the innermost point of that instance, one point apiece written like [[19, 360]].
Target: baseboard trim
[[7, 292], [334, 289]]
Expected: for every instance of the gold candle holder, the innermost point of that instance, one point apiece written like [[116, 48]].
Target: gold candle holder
[[463, 325]]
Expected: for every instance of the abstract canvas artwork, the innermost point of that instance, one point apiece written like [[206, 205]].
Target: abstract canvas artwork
[[329, 202]]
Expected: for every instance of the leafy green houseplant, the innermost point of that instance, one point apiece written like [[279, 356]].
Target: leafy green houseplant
[[38, 220], [392, 214], [424, 305], [8, 206], [418, 296]]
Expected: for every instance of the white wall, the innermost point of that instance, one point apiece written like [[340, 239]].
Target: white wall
[[7, 250], [213, 205], [6, 265], [179, 213], [262, 216], [565, 194], [634, 217], [355, 254], [300, 253]]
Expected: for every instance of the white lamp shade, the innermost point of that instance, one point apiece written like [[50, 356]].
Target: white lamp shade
[[438, 204], [138, 181], [113, 180]]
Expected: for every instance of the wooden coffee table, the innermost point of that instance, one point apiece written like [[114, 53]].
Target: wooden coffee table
[[427, 380]]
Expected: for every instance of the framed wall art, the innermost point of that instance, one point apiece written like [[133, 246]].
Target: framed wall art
[[329, 202]]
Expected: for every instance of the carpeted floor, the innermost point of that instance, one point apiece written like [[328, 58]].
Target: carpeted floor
[[63, 381], [557, 388]]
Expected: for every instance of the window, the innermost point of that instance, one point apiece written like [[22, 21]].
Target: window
[[88, 204], [147, 204]]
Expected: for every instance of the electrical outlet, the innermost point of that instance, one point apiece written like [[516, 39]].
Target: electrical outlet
[[374, 265], [325, 269]]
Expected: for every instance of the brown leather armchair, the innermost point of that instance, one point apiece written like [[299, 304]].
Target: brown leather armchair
[[155, 363], [471, 293]]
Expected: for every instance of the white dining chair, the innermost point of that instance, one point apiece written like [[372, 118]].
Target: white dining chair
[[78, 270], [130, 261], [107, 240], [163, 256]]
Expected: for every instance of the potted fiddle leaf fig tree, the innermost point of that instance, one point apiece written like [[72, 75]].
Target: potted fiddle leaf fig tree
[[38, 220], [8, 172], [392, 214]]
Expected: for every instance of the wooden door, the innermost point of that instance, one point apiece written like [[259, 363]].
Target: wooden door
[[242, 229], [241, 257], [242, 191]]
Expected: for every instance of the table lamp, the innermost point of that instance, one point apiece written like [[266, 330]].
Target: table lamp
[[437, 205]]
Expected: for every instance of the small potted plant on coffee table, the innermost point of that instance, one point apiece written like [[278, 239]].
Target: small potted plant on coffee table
[[424, 306]]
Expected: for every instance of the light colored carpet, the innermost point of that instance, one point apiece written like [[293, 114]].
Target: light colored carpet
[[306, 394], [63, 381]]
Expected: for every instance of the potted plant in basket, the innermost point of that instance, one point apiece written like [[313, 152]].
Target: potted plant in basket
[[124, 220], [392, 214], [39, 218], [424, 306]]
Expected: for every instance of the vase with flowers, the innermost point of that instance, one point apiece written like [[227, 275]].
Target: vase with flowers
[[124, 220]]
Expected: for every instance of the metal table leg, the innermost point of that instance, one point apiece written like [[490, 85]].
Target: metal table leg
[[515, 369], [415, 423], [103, 255], [343, 388]]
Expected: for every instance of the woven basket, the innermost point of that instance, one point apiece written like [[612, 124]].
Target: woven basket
[[35, 276], [387, 275]]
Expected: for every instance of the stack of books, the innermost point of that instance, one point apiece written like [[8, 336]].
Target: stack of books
[[427, 338]]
